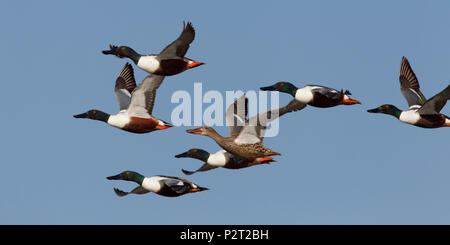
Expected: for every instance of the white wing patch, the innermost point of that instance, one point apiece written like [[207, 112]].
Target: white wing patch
[[412, 96], [245, 138], [240, 119], [415, 107]]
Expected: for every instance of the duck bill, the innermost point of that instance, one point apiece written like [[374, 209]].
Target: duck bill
[[351, 102], [114, 177], [115, 50], [185, 154], [108, 52], [268, 88], [199, 189], [82, 115], [195, 64], [194, 131], [375, 110]]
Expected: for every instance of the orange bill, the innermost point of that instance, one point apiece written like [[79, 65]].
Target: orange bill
[[194, 131]]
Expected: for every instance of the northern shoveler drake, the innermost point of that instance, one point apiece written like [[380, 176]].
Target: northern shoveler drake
[[421, 113], [314, 95], [222, 159], [135, 103], [162, 185], [169, 62], [246, 138]]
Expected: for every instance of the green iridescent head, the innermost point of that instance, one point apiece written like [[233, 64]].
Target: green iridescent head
[[129, 176], [284, 87], [94, 115], [387, 109], [195, 153], [122, 52]]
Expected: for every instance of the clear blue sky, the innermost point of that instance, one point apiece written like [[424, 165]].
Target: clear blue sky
[[339, 165]]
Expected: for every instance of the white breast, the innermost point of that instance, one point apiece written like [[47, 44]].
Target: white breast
[[148, 63], [304, 94], [409, 116], [218, 159], [152, 183], [119, 120]]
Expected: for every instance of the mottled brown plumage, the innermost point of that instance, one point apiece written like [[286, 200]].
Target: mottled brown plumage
[[247, 140]]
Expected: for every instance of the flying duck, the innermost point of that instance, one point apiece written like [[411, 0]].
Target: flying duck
[[159, 184], [135, 104], [246, 138], [314, 95], [222, 159], [422, 112], [169, 62]]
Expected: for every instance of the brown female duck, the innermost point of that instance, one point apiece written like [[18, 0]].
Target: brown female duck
[[246, 138]]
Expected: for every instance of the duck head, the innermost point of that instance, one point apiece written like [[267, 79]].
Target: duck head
[[129, 176], [387, 109], [284, 87], [122, 52], [195, 153], [94, 115]]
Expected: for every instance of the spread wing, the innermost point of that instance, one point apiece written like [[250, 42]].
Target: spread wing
[[253, 132], [204, 167], [436, 103], [180, 46], [236, 115], [409, 85], [143, 97], [125, 84]]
